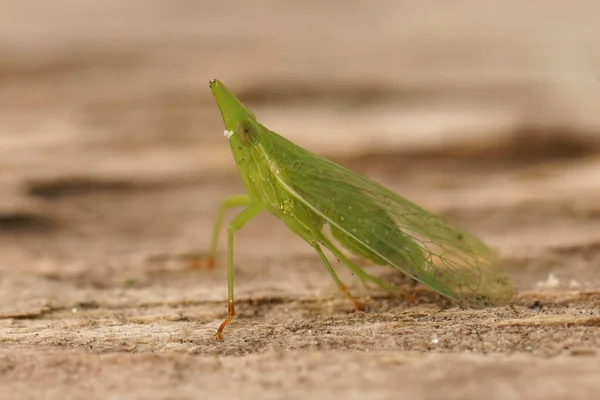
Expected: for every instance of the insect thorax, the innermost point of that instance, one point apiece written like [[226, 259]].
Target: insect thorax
[[262, 177]]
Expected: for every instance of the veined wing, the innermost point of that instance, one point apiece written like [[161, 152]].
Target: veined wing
[[452, 261]]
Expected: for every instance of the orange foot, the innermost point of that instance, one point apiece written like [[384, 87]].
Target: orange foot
[[411, 296], [199, 262]]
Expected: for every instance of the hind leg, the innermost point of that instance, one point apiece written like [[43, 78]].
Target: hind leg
[[362, 274], [307, 225], [359, 306]]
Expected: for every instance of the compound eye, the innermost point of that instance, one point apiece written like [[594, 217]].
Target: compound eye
[[247, 132]]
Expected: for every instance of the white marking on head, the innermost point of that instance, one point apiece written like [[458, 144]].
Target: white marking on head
[[227, 133]]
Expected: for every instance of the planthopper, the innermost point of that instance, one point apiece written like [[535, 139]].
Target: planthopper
[[308, 193]]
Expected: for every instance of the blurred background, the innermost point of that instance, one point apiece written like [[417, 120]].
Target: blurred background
[[113, 161]]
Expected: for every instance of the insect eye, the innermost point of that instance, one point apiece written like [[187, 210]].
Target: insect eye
[[246, 131]]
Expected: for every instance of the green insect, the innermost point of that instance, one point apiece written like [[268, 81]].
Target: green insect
[[308, 192]]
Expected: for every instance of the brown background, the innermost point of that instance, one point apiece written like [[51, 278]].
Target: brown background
[[113, 163]]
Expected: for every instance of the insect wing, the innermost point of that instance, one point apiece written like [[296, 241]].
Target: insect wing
[[454, 262]]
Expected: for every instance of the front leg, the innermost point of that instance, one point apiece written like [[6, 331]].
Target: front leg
[[235, 225], [227, 203]]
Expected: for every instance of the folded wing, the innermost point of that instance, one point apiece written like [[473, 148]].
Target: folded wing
[[377, 224]]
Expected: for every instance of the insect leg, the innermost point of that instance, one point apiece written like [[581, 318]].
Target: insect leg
[[236, 224], [227, 203], [359, 306], [355, 269]]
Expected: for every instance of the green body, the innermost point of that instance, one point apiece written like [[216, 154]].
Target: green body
[[308, 192]]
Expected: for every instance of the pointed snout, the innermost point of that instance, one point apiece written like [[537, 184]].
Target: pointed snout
[[232, 110]]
